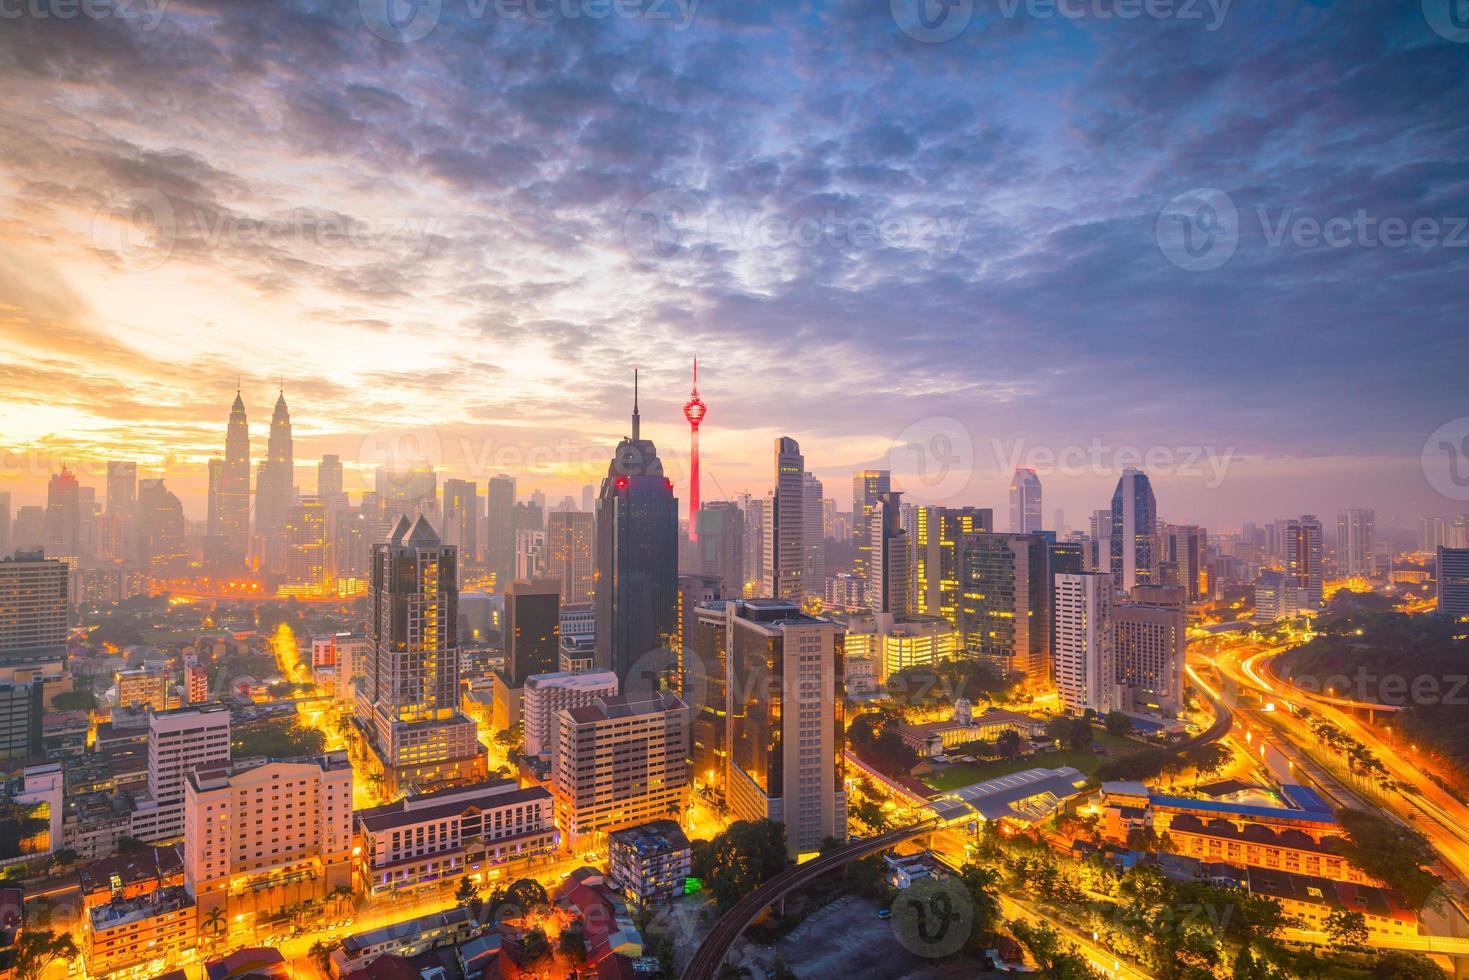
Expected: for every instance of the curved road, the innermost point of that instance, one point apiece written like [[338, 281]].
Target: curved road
[[712, 951]]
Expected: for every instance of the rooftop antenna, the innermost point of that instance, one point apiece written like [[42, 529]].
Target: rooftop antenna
[[636, 422]]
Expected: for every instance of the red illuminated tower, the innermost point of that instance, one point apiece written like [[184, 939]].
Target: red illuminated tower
[[694, 410]]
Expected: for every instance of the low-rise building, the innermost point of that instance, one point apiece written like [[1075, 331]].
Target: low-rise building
[[902, 870], [1311, 900], [545, 695], [408, 938], [467, 830], [649, 861], [155, 928]]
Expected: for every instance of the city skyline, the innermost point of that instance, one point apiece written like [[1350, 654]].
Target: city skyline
[[448, 309]]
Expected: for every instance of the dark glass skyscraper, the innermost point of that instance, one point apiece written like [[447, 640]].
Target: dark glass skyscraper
[[637, 555], [1134, 529]]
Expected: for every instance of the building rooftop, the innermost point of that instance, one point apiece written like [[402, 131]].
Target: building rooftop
[[1029, 795], [355, 944], [655, 837], [450, 803], [123, 911], [1321, 816]]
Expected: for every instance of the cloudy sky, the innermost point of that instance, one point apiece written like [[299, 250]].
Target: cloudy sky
[[1226, 241]]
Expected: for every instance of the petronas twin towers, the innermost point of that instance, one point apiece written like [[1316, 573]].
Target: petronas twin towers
[[274, 488]]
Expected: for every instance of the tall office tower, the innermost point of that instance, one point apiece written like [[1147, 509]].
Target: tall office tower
[[546, 695], [1354, 533], [1453, 583], [407, 492], [784, 723], [35, 604], [1086, 662], [180, 742], [1005, 601], [1058, 521], [1025, 502], [329, 486], [232, 506], [721, 547], [936, 537], [212, 529], [29, 529], [1066, 557], [637, 554], [530, 516], [1134, 527], [867, 486], [532, 628], [588, 498], [262, 839], [571, 539], [620, 761], [90, 512], [306, 558], [704, 683], [352, 535], [5, 548], [500, 528], [813, 538], [694, 410], [890, 576], [694, 590], [1458, 532], [531, 554], [1151, 638], [461, 517], [1099, 553], [785, 549], [1433, 533], [122, 487], [1185, 548], [63, 515], [410, 705], [755, 515], [275, 486], [160, 526], [1303, 557]]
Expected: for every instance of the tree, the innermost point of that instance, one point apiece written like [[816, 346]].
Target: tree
[[37, 949], [214, 922], [1080, 734], [1058, 729], [321, 955], [534, 946], [1396, 855], [1347, 928], [1117, 723], [1208, 760], [63, 857], [466, 892], [1008, 744], [1394, 965], [131, 845], [527, 893], [572, 943], [746, 855]]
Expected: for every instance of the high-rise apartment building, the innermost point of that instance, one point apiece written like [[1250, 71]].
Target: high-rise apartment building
[[180, 742], [890, 575], [867, 487], [1151, 639], [329, 486], [499, 534], [1185, 552], [721, 546], [1134, 528], [1025, 502], [571, 541], [306, 547], [1005, 603], [938, 532], [1355, 530], [410, 705], [637, 555], [1083, 648], [5, 549], [63, 515], [784, 724], [1302, 543], [1453, 583], [1433, 533], [122, 487], [546, 695], [785, 525], [620, 761], [35, 604], [259, 839]]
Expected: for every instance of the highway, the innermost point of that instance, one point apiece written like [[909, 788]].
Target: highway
[[711, 952]]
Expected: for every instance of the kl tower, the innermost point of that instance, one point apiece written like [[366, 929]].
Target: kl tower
[[694, 410]]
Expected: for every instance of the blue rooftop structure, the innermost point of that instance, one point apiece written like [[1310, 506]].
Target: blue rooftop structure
[[1305, 798], [1307, 805]]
